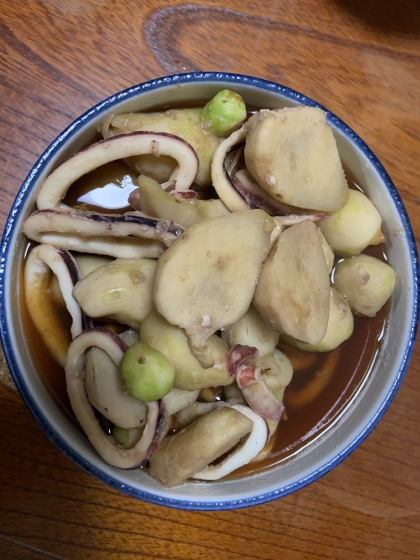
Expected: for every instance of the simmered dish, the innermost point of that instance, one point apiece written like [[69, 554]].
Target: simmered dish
[[238, 259]]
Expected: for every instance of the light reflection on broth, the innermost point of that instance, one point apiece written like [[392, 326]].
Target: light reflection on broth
[[104, 190], [322, 384]]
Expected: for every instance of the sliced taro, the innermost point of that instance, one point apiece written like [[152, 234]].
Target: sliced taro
[[256, 197], [217, 285], [104, 387], [196, 446], [179, 399], [239, 191]]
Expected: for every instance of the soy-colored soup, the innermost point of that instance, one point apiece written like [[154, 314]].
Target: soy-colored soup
[[322, 384]]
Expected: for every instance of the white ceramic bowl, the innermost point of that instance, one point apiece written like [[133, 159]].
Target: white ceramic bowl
[[366, 408]]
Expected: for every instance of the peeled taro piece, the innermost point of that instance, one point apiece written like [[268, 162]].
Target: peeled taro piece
[[154, 201], [340, 326], [256, 197], [292, 293], [104, 388], [178, 399], [172, 342], [189, 451], [252, 330], [276, 372], [292, 154], [207, 278], [328, 252], [128, 438], [89, 263], [120, 290], [367, 283], [355, 226], [185, 123], [232, 392], [190, 413]]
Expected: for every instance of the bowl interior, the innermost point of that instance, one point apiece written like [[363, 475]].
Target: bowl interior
[[367, 406]]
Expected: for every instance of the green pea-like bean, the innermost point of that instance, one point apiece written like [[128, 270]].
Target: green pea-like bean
[[224, 113], [127, 437], [147, 374]]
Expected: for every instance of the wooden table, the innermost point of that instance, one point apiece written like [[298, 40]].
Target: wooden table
[[362, 60]]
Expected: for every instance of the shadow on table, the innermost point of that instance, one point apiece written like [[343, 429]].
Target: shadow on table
[[399, 17]]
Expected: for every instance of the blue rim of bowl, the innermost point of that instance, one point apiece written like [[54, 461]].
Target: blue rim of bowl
[[18, 207]]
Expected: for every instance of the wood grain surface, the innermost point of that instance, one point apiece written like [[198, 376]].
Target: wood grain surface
[[362, 60]]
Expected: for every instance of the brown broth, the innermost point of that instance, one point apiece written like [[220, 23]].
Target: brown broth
[[352, 361], [50, 373], [104, 190], [340, 373], [355, 358]]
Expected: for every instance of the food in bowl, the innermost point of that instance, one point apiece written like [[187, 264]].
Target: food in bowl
[[192, 311]]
